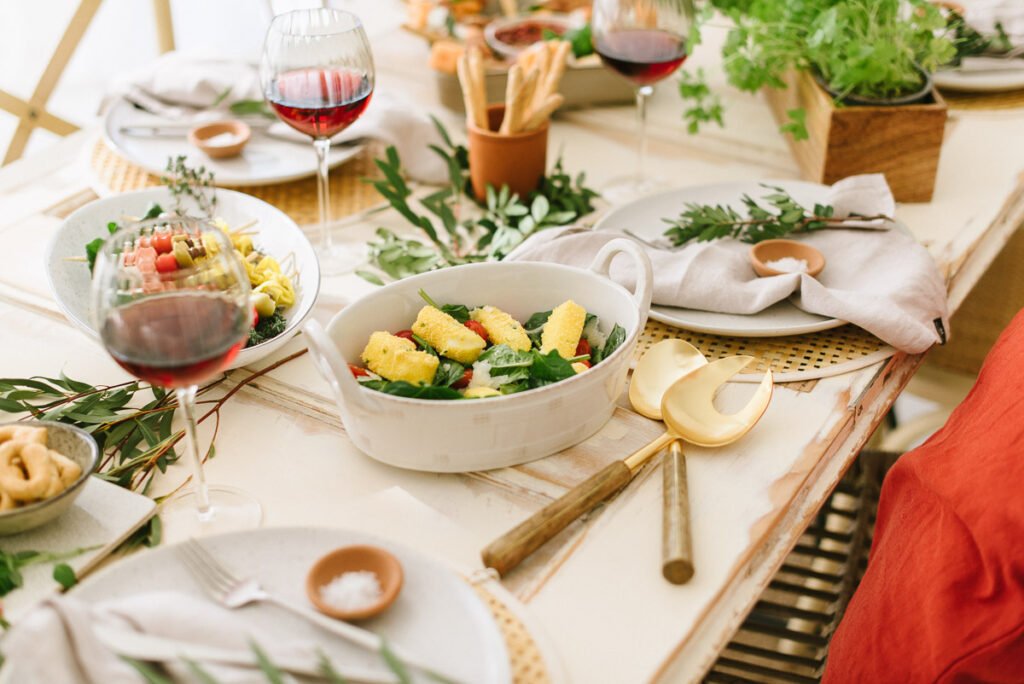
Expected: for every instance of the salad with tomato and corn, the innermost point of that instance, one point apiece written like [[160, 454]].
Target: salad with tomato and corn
[[273, 288], [454, 351]]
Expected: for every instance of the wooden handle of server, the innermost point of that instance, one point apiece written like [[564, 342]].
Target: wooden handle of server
[[509, 550], [676, 542]]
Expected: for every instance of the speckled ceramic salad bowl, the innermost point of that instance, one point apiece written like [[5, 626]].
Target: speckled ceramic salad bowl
[[480, 434]]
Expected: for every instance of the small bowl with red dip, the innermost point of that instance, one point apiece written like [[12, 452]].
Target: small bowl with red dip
[[510, 36]]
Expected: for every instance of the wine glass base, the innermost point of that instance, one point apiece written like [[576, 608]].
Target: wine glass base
[[628, 188], [337, 261], [231, 510]]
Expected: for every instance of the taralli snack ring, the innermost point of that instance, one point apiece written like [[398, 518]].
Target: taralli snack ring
[[26, 470], [22, 433], [68, 470], [6, 502]]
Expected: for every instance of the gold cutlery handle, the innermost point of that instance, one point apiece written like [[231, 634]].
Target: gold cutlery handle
[[676, 541], [509, 550]]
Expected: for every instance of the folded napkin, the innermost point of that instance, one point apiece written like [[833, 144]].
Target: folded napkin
[[189, 88], [983, 15], [59, 642], [882, 281], [178, 83]]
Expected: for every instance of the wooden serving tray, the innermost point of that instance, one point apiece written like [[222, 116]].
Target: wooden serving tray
[[584, 85]]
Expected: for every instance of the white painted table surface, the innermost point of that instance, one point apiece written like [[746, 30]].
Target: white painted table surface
[[598, 592]]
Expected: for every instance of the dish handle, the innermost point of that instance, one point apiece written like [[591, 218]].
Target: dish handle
[[331, 365], [644, 273]]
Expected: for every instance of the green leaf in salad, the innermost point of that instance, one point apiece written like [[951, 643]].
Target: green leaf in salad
[[424, 345], [615, 339], [507, 365], [549, 368], [534, 326], [448, 372], [400, 388], [268, 327], [459, 312]]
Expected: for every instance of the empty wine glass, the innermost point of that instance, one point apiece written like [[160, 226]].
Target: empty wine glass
[[317, 74], [171, 303], [645, 41]]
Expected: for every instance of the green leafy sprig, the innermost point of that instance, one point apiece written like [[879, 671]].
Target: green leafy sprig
[[706, 222], [184, 181], [496, 227]]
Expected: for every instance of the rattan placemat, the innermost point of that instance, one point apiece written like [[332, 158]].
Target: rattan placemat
[[524, 656], [794, 358], [1007, 100], [349, 193]]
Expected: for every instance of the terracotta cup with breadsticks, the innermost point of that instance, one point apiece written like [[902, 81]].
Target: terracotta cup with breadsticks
[[508, 142]]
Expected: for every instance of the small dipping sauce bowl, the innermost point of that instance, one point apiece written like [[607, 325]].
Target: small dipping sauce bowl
[[768, 251], [373, 559], [208, 138]]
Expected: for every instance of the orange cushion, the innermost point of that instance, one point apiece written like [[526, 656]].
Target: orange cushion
[[943, 596]]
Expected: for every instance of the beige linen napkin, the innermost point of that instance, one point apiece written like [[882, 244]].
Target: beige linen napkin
[[882, 281], [57, 642]]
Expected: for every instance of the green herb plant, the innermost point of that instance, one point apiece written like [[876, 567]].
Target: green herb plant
[[872, 49], [783, 216], [496, 226]]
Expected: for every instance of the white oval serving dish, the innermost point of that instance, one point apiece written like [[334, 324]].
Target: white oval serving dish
[[481, 434]]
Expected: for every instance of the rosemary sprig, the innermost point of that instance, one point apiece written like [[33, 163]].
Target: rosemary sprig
[[184, 181], [496, 227], [705, 222]]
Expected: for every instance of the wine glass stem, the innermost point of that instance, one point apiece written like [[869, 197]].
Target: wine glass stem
[[187, 401], [642, 93], [323, 148]]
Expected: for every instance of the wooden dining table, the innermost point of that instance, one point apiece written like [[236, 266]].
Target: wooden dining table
[[594, 597]]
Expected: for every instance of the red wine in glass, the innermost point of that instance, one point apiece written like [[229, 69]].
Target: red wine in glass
[[175, 340], [320, 102], [644, 56]]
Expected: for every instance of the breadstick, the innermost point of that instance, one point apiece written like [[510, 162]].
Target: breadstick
[[527, 59], [476, 76], [513, 101], [554, 76], [509, 8], [543, 64], [539, 115], [462, 68], [530, 83]]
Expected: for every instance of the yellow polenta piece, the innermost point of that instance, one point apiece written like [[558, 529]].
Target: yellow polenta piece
[[563, 329], [396, 358], [446, 335], [501, 327]]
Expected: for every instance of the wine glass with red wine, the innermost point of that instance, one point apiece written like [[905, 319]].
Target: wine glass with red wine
[[317, 74], [645, 41], [171, 302]]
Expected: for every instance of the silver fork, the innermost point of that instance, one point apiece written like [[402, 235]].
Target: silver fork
[[232, 591]]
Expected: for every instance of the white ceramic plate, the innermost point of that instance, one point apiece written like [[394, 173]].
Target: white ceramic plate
[[644, 218], [984, 82], [276, 234], [437, 615], [264, 160]]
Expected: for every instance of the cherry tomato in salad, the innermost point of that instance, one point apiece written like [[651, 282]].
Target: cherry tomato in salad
[[255, 317], [358, 371], [583, 348], [586, 363], [407, 334], [478, 329], [162, 243], [463, 382], [166, 263]]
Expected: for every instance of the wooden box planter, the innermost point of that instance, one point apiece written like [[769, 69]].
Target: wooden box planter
[[903, 142]]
